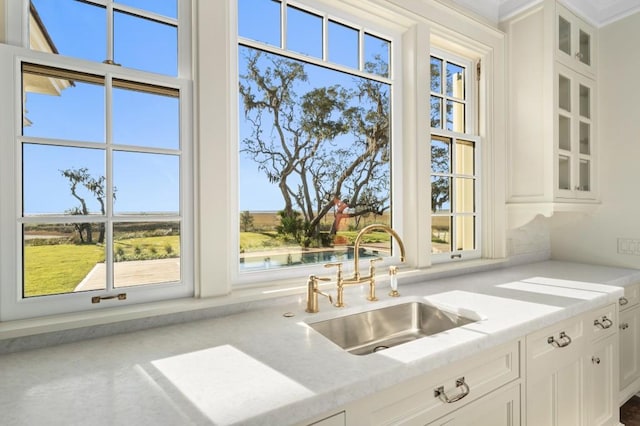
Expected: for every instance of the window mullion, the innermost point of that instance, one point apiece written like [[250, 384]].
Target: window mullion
[[109, 257], [110, 40]]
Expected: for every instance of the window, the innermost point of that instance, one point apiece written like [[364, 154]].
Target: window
[[132, 33], [455, 157], [102, 157], [315, 144]]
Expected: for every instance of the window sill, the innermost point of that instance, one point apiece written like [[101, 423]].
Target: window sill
[[41, 332]]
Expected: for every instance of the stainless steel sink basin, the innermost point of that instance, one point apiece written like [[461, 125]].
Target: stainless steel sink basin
[[368, 332]]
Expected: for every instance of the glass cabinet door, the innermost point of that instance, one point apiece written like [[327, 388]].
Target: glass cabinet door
[[575, 41], [574, 133]]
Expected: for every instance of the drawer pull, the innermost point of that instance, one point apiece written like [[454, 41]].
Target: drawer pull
[[562, 342], [623, 301], [460, 383], [624, 326], [604, 323]]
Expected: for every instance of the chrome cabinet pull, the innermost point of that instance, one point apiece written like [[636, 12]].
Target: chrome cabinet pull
[[562, 342], [604, 323], [623, 301], [460, 383], [624, 326]]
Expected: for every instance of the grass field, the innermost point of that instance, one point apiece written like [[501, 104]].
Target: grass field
[[261, 241], [59, 268]]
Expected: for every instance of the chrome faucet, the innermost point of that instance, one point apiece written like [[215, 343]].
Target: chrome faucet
[[357, 278]]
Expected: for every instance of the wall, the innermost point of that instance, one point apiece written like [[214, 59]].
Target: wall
[[530, 242], [2, 21], [594, 238]]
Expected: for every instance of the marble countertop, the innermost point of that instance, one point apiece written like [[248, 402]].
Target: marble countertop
[[261, 367]]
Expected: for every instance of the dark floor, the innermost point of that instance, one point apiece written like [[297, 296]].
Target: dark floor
[[630, 412]]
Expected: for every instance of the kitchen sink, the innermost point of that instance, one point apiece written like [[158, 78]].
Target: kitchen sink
[[374, 330]]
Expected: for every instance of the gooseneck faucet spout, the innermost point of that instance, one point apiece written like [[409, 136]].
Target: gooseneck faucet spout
[[356, 246]]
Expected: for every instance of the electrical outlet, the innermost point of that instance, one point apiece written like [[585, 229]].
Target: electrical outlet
[[629, 246]]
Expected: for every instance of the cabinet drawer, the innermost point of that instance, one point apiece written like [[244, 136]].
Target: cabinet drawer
[[602, 322], [416, 401], [555, 346], [631, 297]]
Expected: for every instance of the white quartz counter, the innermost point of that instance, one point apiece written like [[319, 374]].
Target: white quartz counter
[[261, 367]]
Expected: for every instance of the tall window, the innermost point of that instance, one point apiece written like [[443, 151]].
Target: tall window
[[314, 136], [101, 155], [454, 161]]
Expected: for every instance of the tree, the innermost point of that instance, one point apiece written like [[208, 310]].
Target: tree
[[96, 187], [440, 163], [246, 221], [317, 144]]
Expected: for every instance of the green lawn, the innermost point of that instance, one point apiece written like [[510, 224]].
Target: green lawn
[[255, 241], [53, 269], [59, 268]]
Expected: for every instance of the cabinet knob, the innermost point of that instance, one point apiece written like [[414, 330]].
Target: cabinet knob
[[624, 326], [623, 301], [579, 55], [595, 360]]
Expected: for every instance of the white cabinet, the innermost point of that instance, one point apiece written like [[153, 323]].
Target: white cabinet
[[575, 139], [552, 148], [575, 41], [571, 373], [629, 343], [500, 408], [439, 393], [555, 375], [601, 363], [603, 395]]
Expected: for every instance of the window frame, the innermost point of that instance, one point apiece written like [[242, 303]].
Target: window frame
[[240, 280], [12, 305], [470, 134]]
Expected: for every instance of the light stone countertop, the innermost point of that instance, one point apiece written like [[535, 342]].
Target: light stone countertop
[[261, 368]]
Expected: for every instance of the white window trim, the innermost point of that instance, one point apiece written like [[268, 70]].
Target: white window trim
[[244, 279], [460, 255], [12, 305], [417, 26], [471, 114]]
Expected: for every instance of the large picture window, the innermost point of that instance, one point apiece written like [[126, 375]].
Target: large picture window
[[314, 136]]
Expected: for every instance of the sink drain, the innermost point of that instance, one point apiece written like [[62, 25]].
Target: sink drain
[[379, 348]]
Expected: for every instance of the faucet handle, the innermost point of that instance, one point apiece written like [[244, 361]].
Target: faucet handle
[[372, 266], [317, 278], [332, 264]]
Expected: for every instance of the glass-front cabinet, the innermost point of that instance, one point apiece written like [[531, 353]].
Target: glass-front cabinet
[[575, 41], [575, 141], [553, 151]]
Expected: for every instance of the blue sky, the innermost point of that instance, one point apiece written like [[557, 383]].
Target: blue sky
[[260, 21], [144, 182], [148, 181]]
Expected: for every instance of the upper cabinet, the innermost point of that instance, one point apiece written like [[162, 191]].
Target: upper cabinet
[[552, 147], [574, 138], [575, 42]]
